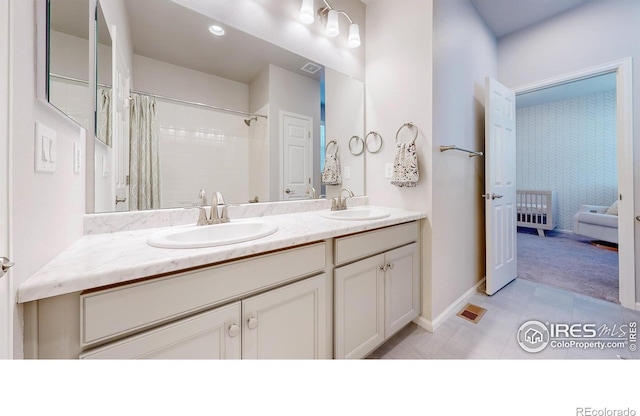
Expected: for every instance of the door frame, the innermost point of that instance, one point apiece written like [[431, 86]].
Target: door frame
[[623, 69], [7, 297], [281, 117]]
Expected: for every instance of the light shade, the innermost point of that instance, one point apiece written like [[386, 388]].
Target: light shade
[[332, 29], [307, 14], [354, 36]]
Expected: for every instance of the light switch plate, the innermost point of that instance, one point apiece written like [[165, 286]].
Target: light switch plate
[[388, 170], [45, 149]]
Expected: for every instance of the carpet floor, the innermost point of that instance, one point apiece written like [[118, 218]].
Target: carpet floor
[[568, 261]]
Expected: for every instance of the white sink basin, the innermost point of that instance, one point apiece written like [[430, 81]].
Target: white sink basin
[[211, 235], [356, 214]]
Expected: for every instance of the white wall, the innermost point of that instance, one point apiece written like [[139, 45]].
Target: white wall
[[464, 55], [277, 22], [47, 210], [344, 118], [598, 32], [569, 146], [161, 78], [398, 90]]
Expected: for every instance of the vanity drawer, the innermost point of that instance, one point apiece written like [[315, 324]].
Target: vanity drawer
[[368, 243], [123, 310]]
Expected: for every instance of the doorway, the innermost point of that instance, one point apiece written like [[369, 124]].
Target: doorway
[[621, 70]]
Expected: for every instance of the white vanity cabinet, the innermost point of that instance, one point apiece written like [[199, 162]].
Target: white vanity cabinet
[[209, 335], [286, 323], [377, 295], [274, 305]]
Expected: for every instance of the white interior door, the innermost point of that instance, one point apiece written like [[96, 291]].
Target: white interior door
[[297, 155], [6, 312], [500, 185]]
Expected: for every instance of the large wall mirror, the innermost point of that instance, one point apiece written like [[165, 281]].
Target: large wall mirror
[[180, 109]]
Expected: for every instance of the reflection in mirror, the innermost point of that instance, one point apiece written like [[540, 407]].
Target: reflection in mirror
[[231, 113], [68, 58], [103, 75]]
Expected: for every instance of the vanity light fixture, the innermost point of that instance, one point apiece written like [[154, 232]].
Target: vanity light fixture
[[216, 30], [329, 16]]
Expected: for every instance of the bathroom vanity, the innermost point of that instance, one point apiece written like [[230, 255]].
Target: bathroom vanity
[[317, 288]]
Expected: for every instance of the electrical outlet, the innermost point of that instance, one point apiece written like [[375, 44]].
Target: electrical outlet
[[388, 170], [77, 157], [347, 172]]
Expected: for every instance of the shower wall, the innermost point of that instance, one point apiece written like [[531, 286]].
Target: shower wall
[[206, 149]]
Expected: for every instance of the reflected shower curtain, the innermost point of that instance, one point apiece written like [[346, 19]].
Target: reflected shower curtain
[[144, 157], [104, 115]]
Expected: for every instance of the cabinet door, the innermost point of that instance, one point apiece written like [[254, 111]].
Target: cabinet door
[[402, 287], [287, 323], [359, 307], [209, 335]]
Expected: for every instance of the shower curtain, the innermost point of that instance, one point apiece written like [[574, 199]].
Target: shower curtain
[[104, 115], [144, 157]]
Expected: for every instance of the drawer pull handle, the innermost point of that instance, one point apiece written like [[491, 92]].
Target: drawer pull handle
[[252, 323], [234, 330]]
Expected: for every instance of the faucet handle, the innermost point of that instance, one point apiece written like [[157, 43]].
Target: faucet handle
[[225, 213], [202, 216]]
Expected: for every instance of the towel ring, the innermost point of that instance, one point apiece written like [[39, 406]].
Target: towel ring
[[358, 140], [366, 142], [326, 149], [408, 125]]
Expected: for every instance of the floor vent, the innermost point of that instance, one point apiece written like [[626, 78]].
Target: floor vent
[[472, 313], [605, 245]]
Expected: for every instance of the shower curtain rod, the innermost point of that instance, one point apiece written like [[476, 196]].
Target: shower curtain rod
[[161, 97]]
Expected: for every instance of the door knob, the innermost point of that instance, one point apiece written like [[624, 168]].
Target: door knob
[[638, 218], [492, 196], [234, 330], [252, 323], [289, 191], [5, 264]]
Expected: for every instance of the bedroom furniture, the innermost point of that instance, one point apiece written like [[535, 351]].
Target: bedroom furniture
[[537, 209], [591, 221]]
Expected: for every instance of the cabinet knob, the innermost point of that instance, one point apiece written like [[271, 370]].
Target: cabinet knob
[[252, 322], [383, 268], [390, 266], [234, 330]]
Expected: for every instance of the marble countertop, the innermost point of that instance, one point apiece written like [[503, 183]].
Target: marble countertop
[[103, 259]]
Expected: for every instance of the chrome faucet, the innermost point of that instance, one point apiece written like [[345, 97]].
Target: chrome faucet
[[214, 217], [216, 200], [313, 193], [339, 203]]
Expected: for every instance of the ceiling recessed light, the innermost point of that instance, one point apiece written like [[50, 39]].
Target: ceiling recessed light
[[216, 30]]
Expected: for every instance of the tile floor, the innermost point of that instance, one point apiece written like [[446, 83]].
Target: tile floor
[[494, 336]]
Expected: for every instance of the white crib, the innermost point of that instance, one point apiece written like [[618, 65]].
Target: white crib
[[537, 209]]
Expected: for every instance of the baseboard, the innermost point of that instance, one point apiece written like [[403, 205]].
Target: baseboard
[[433, 325]]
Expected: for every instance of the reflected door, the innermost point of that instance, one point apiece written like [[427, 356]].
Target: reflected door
[[297, 155]]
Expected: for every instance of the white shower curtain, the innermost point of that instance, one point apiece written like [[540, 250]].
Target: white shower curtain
[[104, 115], [144, 157]]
